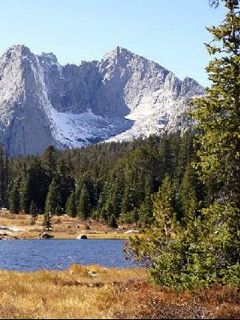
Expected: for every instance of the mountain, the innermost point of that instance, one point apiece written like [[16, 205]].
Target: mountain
[[122, 97]]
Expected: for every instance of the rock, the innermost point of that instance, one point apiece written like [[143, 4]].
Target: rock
[[93, 274], [82, 236], [46, 236]]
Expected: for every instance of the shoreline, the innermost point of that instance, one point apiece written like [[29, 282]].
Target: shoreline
[[18, 226], [110, 236]]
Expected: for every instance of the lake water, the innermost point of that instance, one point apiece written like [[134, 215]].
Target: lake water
[[31, 255]]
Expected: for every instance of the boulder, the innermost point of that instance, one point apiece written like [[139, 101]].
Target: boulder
[[82, 236], [46, 236]]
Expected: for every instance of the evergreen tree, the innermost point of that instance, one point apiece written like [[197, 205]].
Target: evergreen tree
[[84, 204], [53, 198], [156, 247], [218, 122], [34, 186], [218, 112], [2, 176], [187, 195], [58, 210], [113, 222], [65, 181], [50, 161], [71, 207], [14, 197], [33, 212], [47, 221], [146, 210]]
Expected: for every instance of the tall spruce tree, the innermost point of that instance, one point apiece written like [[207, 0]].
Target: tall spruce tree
[[71, 206], [187, 195], [84, 204], [33, 212], [53, 198], [14, 197], [218, 112], [47, 221], [218, 123], [156, 247]]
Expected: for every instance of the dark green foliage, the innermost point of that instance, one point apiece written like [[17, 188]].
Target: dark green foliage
[[53, 198], [59, 210], [84, 205], [146, 208], [50, 161], [33, 212], [14, 197], [188, 200], [3, 178], [113, 222], [118, 178], [34, 186], [64, 181], [218, 139], [71, 206]]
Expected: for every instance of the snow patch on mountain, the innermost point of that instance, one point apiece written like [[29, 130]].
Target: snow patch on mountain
[[122, 97]]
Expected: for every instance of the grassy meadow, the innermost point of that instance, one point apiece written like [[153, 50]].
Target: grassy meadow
[[96, 292]]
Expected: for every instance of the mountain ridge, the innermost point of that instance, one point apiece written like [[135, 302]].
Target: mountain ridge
[[121, 97]]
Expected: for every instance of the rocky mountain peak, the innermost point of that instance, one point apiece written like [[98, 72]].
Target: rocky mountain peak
[[18, 50], [117, 53], [122, 97]]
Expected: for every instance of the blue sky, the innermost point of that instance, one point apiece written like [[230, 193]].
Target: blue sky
[[170, 32]]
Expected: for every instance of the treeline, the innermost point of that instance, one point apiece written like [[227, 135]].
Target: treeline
[[112, 182]]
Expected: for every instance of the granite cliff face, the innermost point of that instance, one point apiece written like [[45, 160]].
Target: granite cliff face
[[122, 97]]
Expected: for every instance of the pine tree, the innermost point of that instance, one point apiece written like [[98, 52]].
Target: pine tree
[[50, 161], [218, 113], [113, 222], [53, 198], [2, 177], [33, 212], [71, 207], [218, 121], [47, 221], [146, 210], [156, 247], [187, 195], [34, 186], [58, 210], [14, 197], [65, 181], [84, 204]]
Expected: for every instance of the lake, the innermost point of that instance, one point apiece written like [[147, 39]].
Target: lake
[[31, 255]]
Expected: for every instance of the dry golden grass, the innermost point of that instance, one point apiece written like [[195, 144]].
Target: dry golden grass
[[96, 292], [78, 292]]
